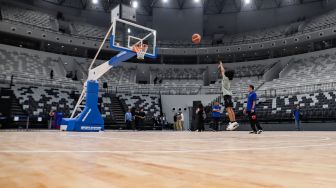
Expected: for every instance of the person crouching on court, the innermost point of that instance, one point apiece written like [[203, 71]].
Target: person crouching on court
[[227, 93], [250, 110]]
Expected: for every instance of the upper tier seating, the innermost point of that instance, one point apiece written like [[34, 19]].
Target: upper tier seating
[[325, 20], [263, 34], [252, 70], [303, 72], [43, 20], [88, 30], [26, 16], [31, 68], [178, 73]]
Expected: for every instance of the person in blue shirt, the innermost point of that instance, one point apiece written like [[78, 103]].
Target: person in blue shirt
[[216, 113], [297, 116], [129, 119], [250, 110]]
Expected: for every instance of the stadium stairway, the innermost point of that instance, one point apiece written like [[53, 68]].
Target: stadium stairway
[[16, 107], [118, 112]]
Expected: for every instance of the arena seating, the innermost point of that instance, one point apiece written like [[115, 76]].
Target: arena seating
[[46, 21], [314, 106], [179, 43], [325, 20], [304, 72], [31, 69], [150, 103], [262, 35], [238, 85], [252, 70], [178, 73], [26, 16], [39, 101], [244, 75], [87, 30]]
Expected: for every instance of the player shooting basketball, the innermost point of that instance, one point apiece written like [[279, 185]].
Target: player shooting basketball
[[227, 94]]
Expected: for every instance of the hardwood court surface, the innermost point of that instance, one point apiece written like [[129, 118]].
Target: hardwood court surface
[[167, 159]]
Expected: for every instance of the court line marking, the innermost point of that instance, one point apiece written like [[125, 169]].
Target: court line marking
[[205, 139], [198, 140], [165, 151], [170, 140], [219, 140], [176, 151]]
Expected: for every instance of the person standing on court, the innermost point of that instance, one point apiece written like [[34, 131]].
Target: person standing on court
[[179, 122], [297, 116], [129, 119], [136, 118], [216, 113], [200, 114], [250, 110], [182, 121], [142, 117]]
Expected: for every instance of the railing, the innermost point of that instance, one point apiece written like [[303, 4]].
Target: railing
[[154, 89], [322, 87], [55, 82]]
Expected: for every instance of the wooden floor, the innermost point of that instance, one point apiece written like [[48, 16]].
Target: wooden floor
[[167, 159]]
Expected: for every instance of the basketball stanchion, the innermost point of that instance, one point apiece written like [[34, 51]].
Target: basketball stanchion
[[130, 40]]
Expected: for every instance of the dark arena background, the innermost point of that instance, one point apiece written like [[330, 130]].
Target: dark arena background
[[81, 108]]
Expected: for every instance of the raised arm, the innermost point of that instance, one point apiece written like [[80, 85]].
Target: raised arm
[[221, 68]]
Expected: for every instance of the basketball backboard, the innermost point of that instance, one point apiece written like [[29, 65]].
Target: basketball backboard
[[126, 34]]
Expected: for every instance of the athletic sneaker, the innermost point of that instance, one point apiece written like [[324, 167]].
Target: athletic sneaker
[[234, 126], [260, 131], [228, 127], [252, 132]]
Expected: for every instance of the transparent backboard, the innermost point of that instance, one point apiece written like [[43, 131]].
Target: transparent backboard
[[126, 34]]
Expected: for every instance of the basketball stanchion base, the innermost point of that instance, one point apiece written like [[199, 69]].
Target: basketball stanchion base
[[90, 119]]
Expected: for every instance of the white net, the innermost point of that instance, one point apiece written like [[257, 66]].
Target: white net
[[141, 50]]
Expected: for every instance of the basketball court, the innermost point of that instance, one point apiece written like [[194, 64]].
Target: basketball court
[[167, 159]]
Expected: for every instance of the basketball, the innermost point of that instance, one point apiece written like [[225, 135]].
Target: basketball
[[196, 38]]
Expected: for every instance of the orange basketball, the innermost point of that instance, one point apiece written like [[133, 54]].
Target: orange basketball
[[196, 38]]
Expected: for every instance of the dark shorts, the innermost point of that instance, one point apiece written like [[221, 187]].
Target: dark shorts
[[228, 101]]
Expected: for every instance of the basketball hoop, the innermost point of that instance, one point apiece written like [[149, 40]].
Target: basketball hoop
[[140, 49]]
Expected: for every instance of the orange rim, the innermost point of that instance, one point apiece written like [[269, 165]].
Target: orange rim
[[139, 48]]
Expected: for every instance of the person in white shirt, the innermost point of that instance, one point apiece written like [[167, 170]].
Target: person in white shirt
[[227, 94], [182, 120]]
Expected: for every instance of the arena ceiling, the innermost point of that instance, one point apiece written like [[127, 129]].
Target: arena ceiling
[[208, 6]]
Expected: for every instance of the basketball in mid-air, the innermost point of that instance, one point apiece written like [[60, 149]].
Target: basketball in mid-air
[[196, 38]]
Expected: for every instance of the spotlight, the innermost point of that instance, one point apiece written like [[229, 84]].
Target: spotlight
[[247, 2], [128, 30], [135, 4], [95, 1], [165, 1], [196, 1]]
